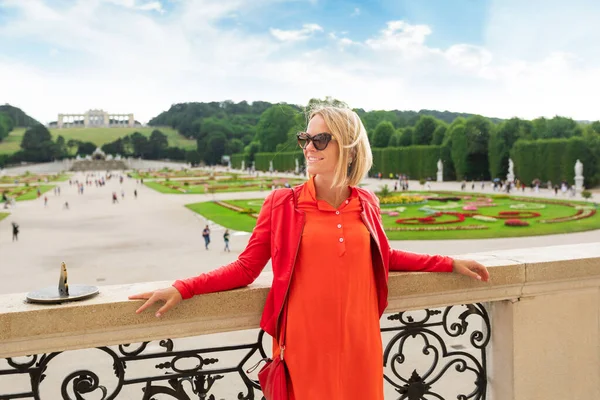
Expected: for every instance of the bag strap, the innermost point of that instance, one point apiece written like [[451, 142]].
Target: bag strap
[[285, 310]]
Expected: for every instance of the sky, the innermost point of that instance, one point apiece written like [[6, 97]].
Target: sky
[[498, 58]]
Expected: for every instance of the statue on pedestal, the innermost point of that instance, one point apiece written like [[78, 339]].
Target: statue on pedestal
[[578, 176], [440, 171], [243, 165], [511, 171], [297, 169], [271, 166]]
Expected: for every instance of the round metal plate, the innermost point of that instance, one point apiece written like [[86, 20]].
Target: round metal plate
[[50, 295]]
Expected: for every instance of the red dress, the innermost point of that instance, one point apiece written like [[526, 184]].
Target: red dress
[[333, 339]]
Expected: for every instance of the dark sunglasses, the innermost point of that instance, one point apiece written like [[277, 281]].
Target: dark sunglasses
[[320, 140]]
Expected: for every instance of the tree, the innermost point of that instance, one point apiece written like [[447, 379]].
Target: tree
[[395, 139], [139, 143], [274, 125], [439, 134], [424, 129], [459, 150], [216, 148], [383, 133], [406, 137], [234, 146], [6, 125], [157, 145], [60, 148], [86, 148], [114, 148], [37, 144], [193, 157]]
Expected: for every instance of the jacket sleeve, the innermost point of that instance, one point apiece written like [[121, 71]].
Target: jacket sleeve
[[241, 272], [406, 261]]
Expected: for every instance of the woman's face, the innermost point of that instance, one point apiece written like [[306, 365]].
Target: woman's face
[[321, 162]]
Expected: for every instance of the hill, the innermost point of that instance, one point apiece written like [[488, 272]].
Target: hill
[[98, 136], [18, 116]]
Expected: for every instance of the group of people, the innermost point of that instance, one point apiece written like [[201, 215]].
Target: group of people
[[206, 236]]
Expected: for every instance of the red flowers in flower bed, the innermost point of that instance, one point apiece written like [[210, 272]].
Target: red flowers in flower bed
[[517, 214], [432, 219], [515, 222]]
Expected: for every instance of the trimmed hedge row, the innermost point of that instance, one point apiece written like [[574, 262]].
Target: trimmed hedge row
[[282, 161], [236, 160], [554, 160], [418, 162]]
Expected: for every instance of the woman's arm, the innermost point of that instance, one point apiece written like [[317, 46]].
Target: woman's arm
[[406, 261], [237, 274], [242, 271]]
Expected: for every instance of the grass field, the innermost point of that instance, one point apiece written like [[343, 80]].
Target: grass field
[[34, 178], [98, 136], [179, 187], [3, 215], [24, 192], [237, 221], [223, 216]]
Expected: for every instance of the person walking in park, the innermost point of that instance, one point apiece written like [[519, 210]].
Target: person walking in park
[[206, 236], [135, 193], [330, 259], [15, 232], [226, 239]]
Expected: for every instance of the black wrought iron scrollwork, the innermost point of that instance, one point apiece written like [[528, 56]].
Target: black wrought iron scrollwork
[[429, 329], [201, 373]]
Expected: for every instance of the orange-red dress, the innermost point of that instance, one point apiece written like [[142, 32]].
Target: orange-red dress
[[333, 342]]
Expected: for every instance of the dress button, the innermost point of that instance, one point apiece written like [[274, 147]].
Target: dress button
[[341, 240], [337, 213], [339, 226], [347, 201]]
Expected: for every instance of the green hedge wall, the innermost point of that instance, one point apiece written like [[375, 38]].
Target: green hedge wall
[[415, 161], [554, 160], [236, 160], [282, 161]]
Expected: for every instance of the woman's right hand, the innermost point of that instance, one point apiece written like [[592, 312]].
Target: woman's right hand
[[170, 296]]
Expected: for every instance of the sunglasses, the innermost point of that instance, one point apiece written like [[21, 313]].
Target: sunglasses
[[320, 140]]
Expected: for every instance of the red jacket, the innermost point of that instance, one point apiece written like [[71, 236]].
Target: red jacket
[[277, 236]]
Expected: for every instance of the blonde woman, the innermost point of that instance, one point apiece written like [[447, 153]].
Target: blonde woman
[[331, 259]]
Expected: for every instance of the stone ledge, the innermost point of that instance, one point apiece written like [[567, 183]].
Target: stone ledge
[[110, 317]]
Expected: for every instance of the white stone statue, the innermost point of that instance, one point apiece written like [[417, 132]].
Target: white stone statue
[[578, 168], [440, 171], [511, 171], [243, 165], [297, 169], [578, 176], [271, 166], [229, 163]]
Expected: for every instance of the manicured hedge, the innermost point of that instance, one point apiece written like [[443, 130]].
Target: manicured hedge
[[282, 161], [415, 161], [554, 160], [236, 160]]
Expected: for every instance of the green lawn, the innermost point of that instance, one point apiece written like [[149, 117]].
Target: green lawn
[[98, 136], [220, 187], [224, 216], [237, 221], [3, 215], [32, 194], [34, 178]]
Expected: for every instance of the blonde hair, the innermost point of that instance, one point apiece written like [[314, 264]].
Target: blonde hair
[[351, 137]]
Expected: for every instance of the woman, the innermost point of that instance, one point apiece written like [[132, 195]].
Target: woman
[[330, 260]]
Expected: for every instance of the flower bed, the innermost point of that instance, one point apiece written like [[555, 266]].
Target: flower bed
[[484, 218], [440, 228], [580, 214], [528, 206], [401, 199], [432, 219], [517, 214], [516, 222]]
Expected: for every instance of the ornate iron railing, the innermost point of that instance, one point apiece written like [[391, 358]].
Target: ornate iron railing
[[199, 374]]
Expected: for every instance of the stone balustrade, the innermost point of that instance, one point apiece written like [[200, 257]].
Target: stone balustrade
[[543, 305]]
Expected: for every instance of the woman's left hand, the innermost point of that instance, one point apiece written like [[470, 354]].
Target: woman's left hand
[[471, 268]]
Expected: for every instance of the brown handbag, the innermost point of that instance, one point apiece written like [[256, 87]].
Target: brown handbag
[[274, 375]]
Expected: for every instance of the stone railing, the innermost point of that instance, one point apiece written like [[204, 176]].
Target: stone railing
[[536, 336]]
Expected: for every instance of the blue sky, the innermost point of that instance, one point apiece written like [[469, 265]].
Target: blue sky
[[499, 58]]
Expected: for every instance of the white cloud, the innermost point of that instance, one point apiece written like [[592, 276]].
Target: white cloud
[[296, 35], [142, 64], [356, 12]]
